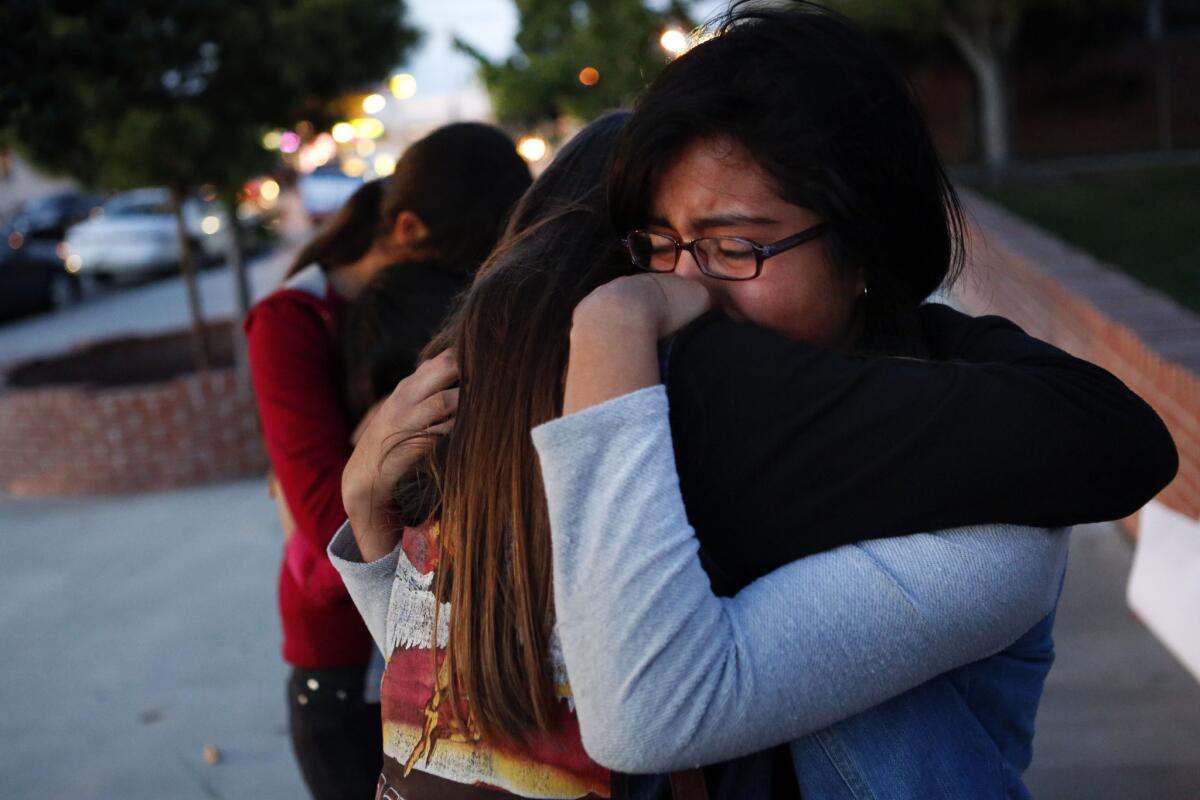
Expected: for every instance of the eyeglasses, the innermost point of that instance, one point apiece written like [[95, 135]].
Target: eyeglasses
[[727, 258]]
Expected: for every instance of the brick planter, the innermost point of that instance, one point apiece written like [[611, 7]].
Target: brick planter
[[86, 424], [1092, 310]]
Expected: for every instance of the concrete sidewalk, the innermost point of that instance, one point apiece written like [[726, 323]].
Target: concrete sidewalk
[[1120, 719], [136, 630]]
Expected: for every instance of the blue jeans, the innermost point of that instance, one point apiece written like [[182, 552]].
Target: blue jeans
[[965, 734]]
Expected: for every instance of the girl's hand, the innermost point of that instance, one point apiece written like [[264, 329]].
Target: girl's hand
[[615, 332], [389, 445], [658, 303]]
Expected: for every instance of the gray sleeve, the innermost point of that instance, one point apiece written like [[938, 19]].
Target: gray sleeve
[[667, 675], [369, 583]]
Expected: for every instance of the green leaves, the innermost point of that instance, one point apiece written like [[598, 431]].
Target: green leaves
[[556, 40], [124, 93]]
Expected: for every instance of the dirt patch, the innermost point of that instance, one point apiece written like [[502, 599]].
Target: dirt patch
[[125, 361]]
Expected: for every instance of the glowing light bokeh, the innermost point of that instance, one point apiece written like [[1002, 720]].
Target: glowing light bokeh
[[403, 85], [317, 153], [674, 41], [373, 104], [289, 142], [384, 165], [367, 128], [532, 148]]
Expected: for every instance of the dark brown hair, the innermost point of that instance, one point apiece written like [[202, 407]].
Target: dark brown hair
[[819, 107], [388, 325], [462, 180], [348, 234]]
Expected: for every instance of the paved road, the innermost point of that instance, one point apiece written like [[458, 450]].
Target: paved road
[[136, 630]]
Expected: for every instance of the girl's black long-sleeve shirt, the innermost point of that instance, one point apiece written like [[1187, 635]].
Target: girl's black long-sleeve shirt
[[785, 449]]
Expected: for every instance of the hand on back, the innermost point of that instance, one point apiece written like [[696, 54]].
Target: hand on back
[[397, 432]]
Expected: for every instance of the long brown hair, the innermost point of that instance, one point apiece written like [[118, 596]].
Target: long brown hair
[[482, 481]]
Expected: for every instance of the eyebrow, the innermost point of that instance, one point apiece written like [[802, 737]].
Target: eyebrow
[[722, 221]]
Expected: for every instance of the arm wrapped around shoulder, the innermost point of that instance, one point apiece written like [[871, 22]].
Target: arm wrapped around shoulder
[[667, 675]]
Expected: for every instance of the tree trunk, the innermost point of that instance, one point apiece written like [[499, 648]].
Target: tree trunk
[[985, 50], [235, 260], [993, 95], [188, 267], [1156, 32]]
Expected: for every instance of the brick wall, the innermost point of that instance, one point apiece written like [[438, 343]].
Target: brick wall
[[1064, 296], [73, 440]]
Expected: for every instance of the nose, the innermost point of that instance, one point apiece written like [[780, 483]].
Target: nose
[[686, 267]]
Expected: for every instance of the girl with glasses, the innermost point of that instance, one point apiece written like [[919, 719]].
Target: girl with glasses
[[883, 679]]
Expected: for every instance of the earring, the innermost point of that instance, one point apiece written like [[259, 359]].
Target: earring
[[864, 291]]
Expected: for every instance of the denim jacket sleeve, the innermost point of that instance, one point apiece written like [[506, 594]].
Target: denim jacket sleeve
[[667, 675]]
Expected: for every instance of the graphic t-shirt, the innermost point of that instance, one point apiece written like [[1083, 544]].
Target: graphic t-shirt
[[428, 752]]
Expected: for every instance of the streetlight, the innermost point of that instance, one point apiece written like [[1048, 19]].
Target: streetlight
[[674, 41], [532, 148], [367, 127], [342, 132], [384, 165], [403, 85], [373, 104]]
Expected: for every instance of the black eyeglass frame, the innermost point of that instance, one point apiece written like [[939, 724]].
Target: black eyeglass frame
[[761, 251]]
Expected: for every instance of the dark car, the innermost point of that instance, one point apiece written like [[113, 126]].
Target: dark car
[[49, 216], [33, 275]]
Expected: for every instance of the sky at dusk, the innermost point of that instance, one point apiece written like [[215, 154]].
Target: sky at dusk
[[487, 24]]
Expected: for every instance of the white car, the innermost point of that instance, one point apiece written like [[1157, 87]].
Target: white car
[[324, 191], [135, 234]]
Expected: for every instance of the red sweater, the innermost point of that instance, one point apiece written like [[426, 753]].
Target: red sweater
[[292, 337]]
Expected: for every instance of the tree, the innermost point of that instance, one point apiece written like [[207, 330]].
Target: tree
[[178, 93], [982, 31], [556, 41]]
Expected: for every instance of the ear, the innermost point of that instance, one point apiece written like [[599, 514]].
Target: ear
[[860, 282], [409, 230]]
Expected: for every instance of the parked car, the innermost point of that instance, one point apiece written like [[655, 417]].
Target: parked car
[[49, 216], [33, 274], [325, 190], [136, 235]]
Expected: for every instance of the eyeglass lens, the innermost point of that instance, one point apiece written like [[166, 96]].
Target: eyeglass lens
[[720, 256]]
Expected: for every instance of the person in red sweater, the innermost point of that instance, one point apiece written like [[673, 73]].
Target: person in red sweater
[[446, 205]]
